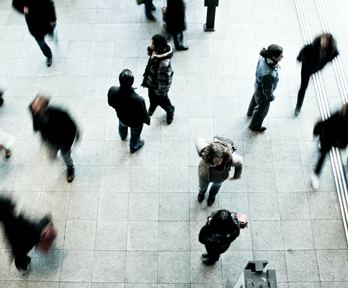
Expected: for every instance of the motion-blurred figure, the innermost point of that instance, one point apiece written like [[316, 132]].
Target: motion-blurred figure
[[175, 20], [1, 98], [23, 234], [6, 142], [314, 57], [130, 108], [333, 132], [57, 129], [41, 19], [158, 75]]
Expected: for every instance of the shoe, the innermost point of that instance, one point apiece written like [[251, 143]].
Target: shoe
[[182, 48], [71, 175], [26, 270], [8, 153], [211, 201], [205, 255], [49, 61], [153, 7], [200, 197], [208, 261], [261, 129], [170, 116], [297, 111], [141, 144], [315, 181], [151, 17]]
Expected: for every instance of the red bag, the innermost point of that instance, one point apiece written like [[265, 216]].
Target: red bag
[[243, 220], [47, 236]]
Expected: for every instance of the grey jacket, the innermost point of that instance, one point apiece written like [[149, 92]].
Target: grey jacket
[[266, 78]]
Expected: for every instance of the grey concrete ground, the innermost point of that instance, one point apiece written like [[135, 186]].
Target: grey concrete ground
[[132, 220]]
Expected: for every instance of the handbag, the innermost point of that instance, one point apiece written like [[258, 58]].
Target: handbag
[[48, 234], [243, 220], [140, 2]]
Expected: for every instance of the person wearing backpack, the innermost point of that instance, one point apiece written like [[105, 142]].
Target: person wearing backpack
[[221, 229], [214, 167]]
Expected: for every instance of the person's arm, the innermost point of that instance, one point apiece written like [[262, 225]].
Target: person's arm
[[164, 76], [149, 50], [237, 163], [110, 98], [200, 145], [146, 117], [267, 87], [50, 11], [204, 236]]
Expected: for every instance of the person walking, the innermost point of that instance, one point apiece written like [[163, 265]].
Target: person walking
[[1, 98], [40, 16], [6, 142], [333, 132], [314, 57], [215, 165], [158, 76], [23, 234], [130, 109], [265, 84], [175, 22], [57, 129], [221, 229]]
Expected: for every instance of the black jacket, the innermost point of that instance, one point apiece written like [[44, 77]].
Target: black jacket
[[215, 243], [56, 127], [130, 107], [311, 59], [175, 16], [40, 13], [333, 132]]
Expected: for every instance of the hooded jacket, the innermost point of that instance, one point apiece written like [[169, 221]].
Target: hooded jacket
[[212, 174], [130, 107], [266, 78], [159, 73]]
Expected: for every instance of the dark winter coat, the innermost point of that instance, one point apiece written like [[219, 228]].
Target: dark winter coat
[[333, 132], [56, 127], [40, 13], [216, 243], [130, 107], [159, 73], [175, 16], [311, 59]]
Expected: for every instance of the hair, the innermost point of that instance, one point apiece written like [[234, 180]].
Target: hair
[[344, 112], [273, 50], [160, 42], [214, 150], [222, 222], [126, 78], [332, 42]]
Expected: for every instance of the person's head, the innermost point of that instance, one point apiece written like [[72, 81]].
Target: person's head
[[40, 105], [222, 222], [344, 112], [216, 154], [126, 78], [6, 208], [273, 52], [325, 41], [159, 42]]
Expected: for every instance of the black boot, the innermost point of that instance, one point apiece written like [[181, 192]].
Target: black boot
[[170, 116], [208, 261]]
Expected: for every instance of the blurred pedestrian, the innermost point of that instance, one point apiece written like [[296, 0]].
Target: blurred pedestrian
[[6, 142], [23, 234], [130, 109], [41, 19], [175, 22], [158, 76], [314, 57], [1, 98], [215, 165], [57, 129], [221, 229], [333, 132], [265, 84]]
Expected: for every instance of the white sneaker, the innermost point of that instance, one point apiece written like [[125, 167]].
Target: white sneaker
[[315, 181]]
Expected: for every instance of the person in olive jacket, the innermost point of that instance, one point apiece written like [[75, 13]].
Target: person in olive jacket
[[130, 109], [314, 57], [215, 165], [221, 229], [333, 132]]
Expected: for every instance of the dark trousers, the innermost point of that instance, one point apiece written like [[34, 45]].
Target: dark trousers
[[162, 101], [304, 84], [44, 47], [148, 6], [135, 134], [258, 109], [177, 38], [323, 151]]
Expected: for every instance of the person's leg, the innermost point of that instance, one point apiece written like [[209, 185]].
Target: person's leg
[[153, 101], [260, 111], [44, 47], [214, 189], [323, 151], [68, 158], [22, 262], [203, 185], [301, 93], [252, 105], [135, 137], [211, 258], [178, 40], [122, 130], [165, 103], [149, 7]]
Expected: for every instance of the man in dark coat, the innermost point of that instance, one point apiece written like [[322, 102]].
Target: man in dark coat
[[130, 109], [57, 129], [314, 57], [41, 19], [158, 76]]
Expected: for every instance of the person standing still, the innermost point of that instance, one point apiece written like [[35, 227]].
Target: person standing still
[[265, 84], [130, 109], [40, 16], [158, 76]]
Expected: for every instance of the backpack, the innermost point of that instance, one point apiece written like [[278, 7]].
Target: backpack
[[227, 141]]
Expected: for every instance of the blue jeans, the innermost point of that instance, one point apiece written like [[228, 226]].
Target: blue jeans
[[44, 47], [135, 134], [203, 186]]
